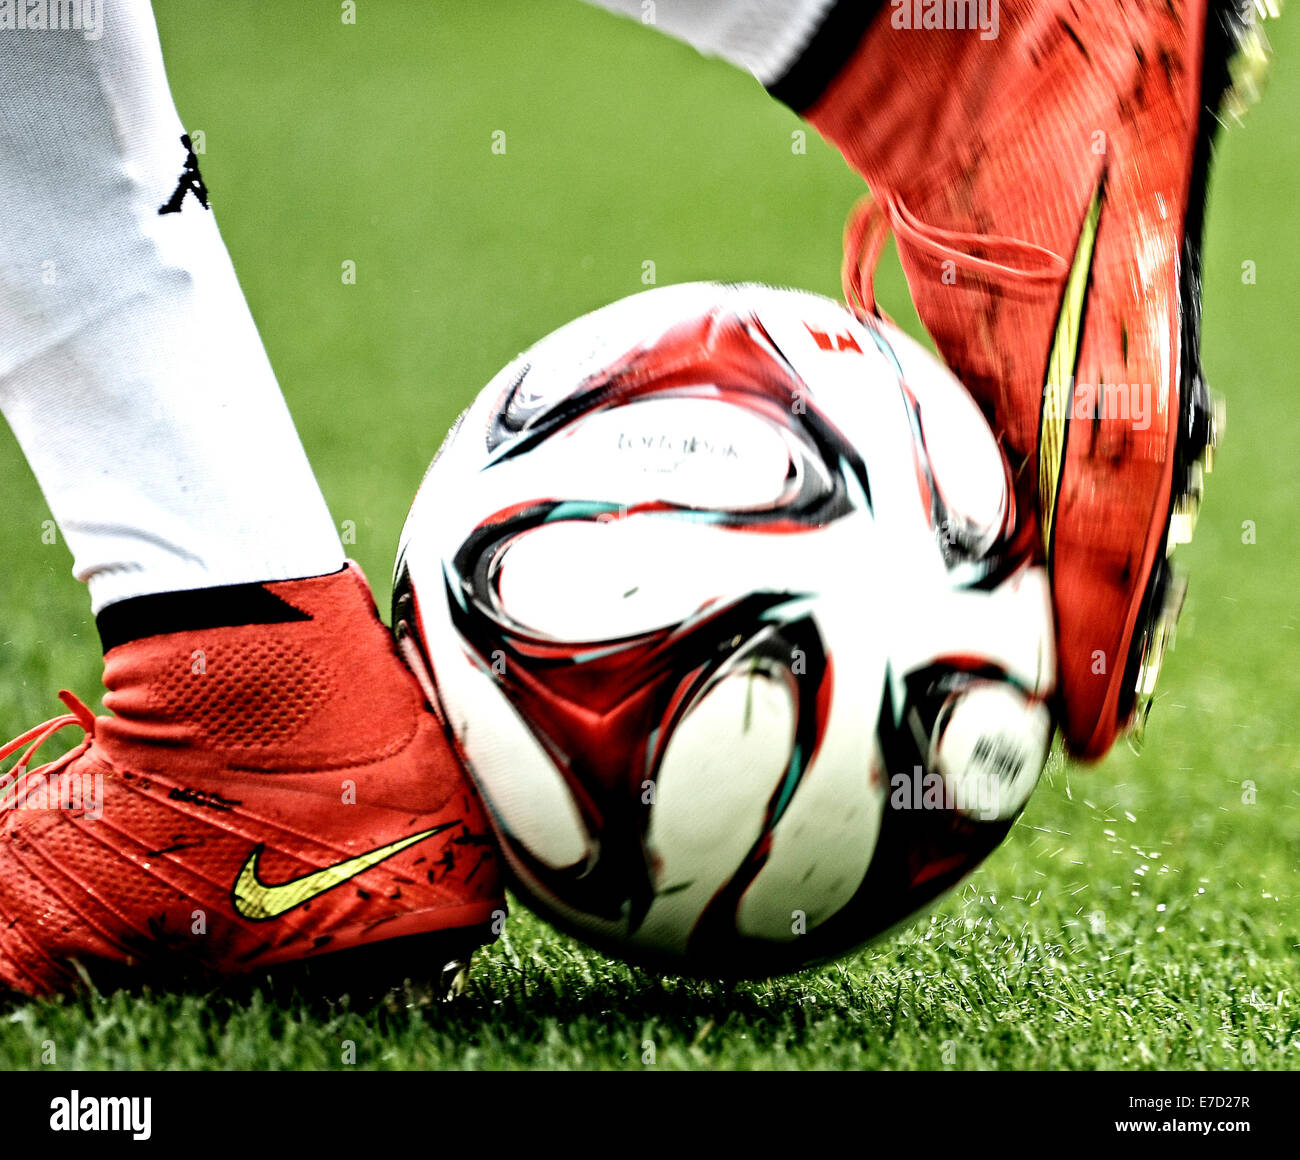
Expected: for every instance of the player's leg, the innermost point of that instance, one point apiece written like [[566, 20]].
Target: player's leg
[[130, 368], [271, 783], [1049, 221], [1043, 169]]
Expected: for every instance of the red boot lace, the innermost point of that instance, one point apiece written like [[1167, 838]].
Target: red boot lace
[[34, 738], [998, 259], [864, 237]]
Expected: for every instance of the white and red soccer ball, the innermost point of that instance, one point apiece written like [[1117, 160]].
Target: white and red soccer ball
[[722, 595]]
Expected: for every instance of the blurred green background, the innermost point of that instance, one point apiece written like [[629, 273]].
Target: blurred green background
[[1144, 913]]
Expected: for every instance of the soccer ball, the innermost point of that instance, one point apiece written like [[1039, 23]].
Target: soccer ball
[[723, 598]]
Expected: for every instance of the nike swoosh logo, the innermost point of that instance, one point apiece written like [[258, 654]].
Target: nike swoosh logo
[[1062, 362], [258, 901]]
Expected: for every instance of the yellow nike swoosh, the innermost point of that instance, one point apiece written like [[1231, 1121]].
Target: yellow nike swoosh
[[257, 901], [1061, 365]]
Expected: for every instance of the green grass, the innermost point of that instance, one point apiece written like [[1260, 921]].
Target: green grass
[[1143, 914]]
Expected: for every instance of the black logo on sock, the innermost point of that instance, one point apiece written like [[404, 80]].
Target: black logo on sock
[[191, 181]]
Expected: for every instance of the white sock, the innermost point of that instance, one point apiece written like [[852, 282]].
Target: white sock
[[763, 36], [130, 369]]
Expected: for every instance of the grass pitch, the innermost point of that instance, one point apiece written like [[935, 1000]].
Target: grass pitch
[[1143, 914]]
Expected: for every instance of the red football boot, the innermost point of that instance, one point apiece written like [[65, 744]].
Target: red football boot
[[1045, 186], [271, 787]]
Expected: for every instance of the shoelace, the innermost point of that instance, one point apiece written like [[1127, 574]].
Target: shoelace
[[34, 738], [864, 237], [1001, 260]]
